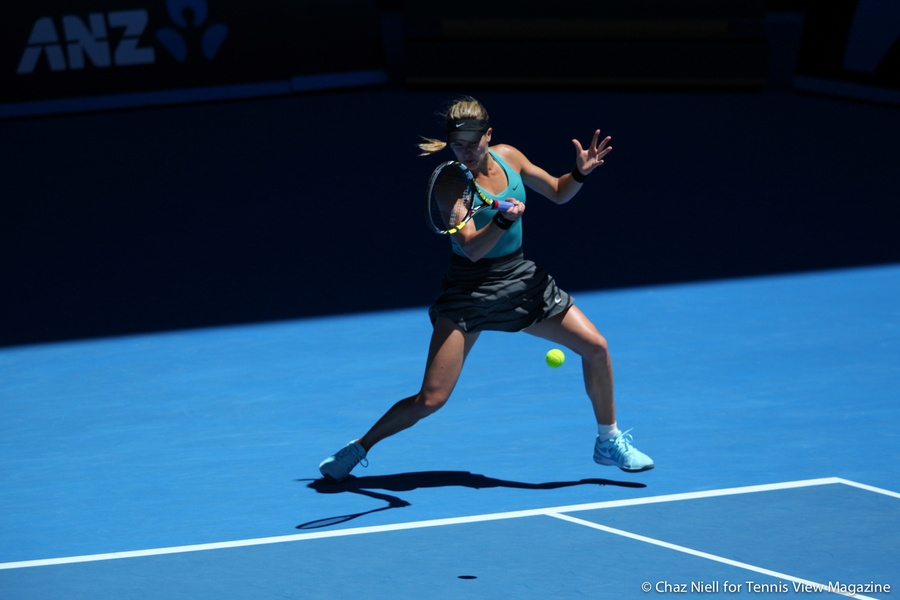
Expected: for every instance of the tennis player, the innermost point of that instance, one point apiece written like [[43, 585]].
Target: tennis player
[[490, 286]]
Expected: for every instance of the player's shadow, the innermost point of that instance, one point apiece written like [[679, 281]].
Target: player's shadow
[[407, 482]]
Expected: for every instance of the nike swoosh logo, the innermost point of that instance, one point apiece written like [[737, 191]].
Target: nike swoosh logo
[[458, 125]]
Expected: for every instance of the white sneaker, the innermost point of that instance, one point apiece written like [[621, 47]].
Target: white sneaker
[[619, 452], [336, 468]]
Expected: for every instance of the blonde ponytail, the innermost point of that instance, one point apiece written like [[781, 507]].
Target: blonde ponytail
[[430, 146]]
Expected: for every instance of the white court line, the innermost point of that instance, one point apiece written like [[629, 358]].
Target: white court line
[[868, 488], [431, 523], [734, 563]]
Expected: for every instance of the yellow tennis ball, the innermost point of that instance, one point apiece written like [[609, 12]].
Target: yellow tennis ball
[[555, 358]]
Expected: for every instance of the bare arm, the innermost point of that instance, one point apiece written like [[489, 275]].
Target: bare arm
[[558, 189], [476, 243]]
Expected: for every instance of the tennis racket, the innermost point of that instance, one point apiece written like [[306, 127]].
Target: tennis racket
[[453, 198]]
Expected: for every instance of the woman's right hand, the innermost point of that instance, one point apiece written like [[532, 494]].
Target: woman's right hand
[[514, 213]]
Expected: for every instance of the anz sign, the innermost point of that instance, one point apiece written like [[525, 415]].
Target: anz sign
[[109, 54], [118, 38]]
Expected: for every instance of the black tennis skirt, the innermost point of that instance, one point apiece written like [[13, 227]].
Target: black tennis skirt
[[507, 293]]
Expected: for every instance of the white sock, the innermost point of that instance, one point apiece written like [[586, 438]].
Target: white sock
[[607, 432]]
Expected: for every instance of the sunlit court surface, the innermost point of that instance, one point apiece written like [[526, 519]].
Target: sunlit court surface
[[216, 272], [184, 464]]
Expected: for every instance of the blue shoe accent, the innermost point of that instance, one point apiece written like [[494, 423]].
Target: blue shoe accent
[[336, 468], [619, 452]]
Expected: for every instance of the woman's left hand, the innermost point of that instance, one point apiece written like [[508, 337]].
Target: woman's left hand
[[591, 158]]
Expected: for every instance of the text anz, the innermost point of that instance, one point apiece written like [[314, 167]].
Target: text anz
[[89, 40]]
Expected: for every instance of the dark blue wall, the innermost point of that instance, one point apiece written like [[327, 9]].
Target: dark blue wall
[[273, 209], [189, 216]]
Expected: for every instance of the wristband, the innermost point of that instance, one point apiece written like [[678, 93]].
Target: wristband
[[502, 222], [577, 176]]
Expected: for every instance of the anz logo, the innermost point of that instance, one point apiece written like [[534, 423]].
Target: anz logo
[[77, 43]]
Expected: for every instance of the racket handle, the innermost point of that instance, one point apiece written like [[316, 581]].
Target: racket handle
[[501, 205]]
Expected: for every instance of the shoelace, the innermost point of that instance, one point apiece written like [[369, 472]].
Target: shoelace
[[622, 442], [344, 454], [364, 461]]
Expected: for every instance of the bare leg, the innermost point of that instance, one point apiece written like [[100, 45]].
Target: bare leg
[[576, 332], [450, 346]]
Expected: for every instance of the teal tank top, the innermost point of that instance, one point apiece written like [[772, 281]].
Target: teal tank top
[[511, 240]]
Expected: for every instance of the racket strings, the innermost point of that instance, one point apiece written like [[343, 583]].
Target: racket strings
[[450, 199]]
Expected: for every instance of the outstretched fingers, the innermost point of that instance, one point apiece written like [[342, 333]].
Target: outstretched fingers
[[589, 159]]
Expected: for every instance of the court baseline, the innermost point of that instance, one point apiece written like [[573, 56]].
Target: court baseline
[[559, 512]]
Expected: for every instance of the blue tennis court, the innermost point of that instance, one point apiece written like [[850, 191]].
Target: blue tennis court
[[183, 464]]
